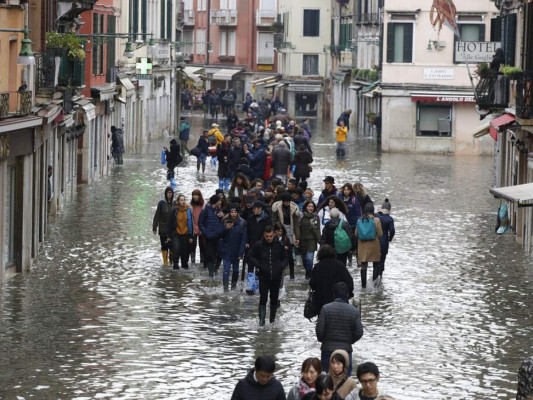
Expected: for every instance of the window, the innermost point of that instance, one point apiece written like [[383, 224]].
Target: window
[[267, 5], [311, 23], [228, 4], [188, 39], [472, 32], [201, 5], [200, 41], [227, 43], [434, 120], [399, 42], [265, 48], [310, 64], [345, 36], [97, 46]]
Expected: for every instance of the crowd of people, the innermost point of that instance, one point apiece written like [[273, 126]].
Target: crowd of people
[[265, 218]]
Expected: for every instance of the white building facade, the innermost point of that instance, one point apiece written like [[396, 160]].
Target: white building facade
[[428, 102]]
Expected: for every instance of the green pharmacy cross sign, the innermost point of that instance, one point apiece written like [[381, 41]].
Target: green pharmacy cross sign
[[144, 68]]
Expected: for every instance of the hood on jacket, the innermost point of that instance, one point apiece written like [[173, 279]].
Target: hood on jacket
[[169, 189], [344, 354]]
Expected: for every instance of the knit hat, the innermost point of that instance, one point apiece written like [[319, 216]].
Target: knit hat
[[214, 125], [259, 203], [386, 205], [214, 199], [218, 191]]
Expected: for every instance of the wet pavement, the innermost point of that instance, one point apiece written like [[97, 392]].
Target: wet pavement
[[98, 317]]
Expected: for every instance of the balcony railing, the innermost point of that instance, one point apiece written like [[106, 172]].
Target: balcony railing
[[265, 17], [23, 106], [524, 93], [492, 91], [71, 72], [367, 18], [224, 17]]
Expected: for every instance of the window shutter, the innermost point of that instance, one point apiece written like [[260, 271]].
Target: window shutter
[[509, 38], [408, 43], [496, 29], [482, 32], [390, 42]]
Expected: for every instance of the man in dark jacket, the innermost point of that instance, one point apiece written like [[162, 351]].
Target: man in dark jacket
[[185, 130], [281, 161], [117, 144], [256, 225], [257, 157], [329, 190], [212, 228], [260, 382], [338, 326], [269, 257]]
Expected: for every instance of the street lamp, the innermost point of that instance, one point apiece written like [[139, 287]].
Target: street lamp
[[131, 45], [25, 56]]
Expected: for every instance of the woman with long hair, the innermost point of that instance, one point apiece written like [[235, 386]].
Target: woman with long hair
[[197, 205], [238, 188], [309, 236], [331, 202], [361, 194]]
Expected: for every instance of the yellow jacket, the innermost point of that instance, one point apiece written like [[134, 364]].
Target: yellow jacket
[[218, 135], [341, 132]]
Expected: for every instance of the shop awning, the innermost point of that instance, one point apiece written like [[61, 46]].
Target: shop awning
[[517, 194], [266, 80], [49, 113], [481, 130], [444, 97], [500, 122], [373, 92], [225, 74], [127, 85], [104, 92], [192, 73], [355, 87]]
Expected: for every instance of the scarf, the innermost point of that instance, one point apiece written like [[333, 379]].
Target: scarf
[[305, 388]]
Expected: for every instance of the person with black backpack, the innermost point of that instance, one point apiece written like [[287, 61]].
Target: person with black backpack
[[368, 232]]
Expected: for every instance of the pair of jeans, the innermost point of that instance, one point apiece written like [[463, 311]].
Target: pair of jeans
[[180, 249], [210, 254], [307, 260], [324, 361], [229, 264]]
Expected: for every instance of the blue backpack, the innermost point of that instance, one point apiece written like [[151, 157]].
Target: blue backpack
[[366, 229]]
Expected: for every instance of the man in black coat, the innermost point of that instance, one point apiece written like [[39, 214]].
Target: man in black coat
[[256, 225], [269, 257], [260, 382], [338, 326]]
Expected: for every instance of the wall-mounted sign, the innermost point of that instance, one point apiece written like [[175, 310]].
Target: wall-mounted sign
[[265, 67], [439, 73], [143, 68], [442, 98], [475, 52]]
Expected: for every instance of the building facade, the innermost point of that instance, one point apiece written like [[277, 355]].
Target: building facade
[[506, 99], [428, 103]]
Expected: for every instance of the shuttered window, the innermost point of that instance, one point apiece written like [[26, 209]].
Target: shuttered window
[[311, 23], [399, 42]]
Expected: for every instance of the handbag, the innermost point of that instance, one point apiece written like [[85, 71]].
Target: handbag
[[310, 309], [195, 152]]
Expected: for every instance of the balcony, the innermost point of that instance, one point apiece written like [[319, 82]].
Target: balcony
[[492, 91], [223, 17], [23, 104], [524, 93], [367, 18], [280, 42], [188, 18], [265, 18], [71, 72]]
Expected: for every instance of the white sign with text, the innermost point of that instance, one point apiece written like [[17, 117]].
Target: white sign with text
[[439, 73], [475, 52]]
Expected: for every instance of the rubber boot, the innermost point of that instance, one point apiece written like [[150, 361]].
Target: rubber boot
[[164, 253], [234, 279], [211, 269], [363, 278], [226, 286], [262, 314], [273, 314]]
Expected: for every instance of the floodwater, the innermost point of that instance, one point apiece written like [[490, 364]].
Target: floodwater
[[98, 317]]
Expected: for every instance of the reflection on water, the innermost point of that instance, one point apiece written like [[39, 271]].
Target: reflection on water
[[98, 317]]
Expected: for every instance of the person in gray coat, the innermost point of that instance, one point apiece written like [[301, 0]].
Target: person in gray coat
[[338, 326]]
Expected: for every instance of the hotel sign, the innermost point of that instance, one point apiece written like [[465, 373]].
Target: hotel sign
[[475, 52]]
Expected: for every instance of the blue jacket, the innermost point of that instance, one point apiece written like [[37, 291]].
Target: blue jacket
[[354, 209], [233, 241], [209, 223], [257, 160], [185, 130], [203, 145], [172, 223], [387, 224]]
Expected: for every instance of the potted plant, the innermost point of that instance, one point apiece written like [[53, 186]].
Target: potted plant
[[343, 3], [277, 27], [482, 70], [511, 72], [69, 42]]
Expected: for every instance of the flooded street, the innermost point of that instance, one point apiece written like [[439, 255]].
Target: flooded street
[[98, 317]]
